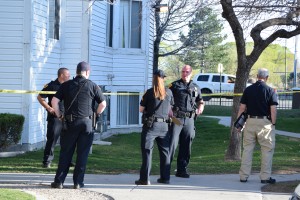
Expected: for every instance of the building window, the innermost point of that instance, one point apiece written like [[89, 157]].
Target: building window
[[130, 23], [54, 19], [128, 109], [109, 24]]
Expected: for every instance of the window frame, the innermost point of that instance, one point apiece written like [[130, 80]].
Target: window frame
[[125, 108], [126, 32], [109, 24], [54, 19]]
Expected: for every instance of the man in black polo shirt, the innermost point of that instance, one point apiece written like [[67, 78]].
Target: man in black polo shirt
[[80, 96], [259, 101], [54, 125]]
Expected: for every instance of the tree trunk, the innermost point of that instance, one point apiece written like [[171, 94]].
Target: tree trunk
[[158, 35], [155, 54], [234, 148]]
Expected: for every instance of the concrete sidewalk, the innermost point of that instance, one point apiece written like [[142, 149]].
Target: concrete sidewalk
[[226, 122], [122, 187]]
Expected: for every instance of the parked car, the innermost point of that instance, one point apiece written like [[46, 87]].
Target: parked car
[[209, 83]]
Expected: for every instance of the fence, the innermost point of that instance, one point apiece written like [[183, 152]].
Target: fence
[[285, 100]]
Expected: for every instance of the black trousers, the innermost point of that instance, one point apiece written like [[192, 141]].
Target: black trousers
[[79, 136], [158, 133], [183, 136], [54, 128]]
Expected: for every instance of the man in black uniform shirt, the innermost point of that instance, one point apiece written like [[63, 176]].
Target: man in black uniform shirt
[[78, 114], [188, 103], [259, 101], [54, 125]]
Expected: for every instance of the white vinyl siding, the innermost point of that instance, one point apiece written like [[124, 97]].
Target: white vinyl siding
[[11, 54], [72, 37], [30, 59], [44, 63]]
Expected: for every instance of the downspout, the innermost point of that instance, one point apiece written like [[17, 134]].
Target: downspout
[[26, 70], [85, 31]]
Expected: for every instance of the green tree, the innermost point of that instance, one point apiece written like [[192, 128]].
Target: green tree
[[275, 58], [206, 50], [168, 26], [172, 67]]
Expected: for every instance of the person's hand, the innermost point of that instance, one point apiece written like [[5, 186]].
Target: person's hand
[[50, 110], [61, 118], [199, 111], [239, 130]]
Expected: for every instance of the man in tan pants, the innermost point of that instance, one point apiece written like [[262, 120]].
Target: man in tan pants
[[259, 101]]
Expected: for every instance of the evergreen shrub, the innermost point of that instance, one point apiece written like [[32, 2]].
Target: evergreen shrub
[[11, 126]]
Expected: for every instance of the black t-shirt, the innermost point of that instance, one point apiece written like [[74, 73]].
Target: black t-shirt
[[84, 104], [186, 95], [258, 98], [52, 86], [150, 103]]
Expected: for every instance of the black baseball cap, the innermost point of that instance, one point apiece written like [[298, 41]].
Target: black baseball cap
[[160, 73], [82, 66]]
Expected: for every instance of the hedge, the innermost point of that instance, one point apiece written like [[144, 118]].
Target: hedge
[[11, 126]]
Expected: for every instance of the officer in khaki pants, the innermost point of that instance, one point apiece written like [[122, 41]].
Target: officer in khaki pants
[[259, 101]]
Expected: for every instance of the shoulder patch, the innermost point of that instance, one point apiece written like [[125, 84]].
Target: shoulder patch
[[45, 85]]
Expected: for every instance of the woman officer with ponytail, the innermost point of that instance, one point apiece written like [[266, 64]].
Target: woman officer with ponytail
[[155, 106]]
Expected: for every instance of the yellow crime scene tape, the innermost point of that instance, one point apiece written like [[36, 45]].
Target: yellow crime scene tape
[[240, 94], [124, 93], [53, 92]]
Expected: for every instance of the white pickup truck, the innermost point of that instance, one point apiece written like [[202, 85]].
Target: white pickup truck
[[209, 83]]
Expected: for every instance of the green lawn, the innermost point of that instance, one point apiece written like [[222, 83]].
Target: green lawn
[[287, 120], [13, 194], [124, 156]]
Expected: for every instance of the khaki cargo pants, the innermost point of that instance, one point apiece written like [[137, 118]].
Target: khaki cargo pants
[[262, 131]]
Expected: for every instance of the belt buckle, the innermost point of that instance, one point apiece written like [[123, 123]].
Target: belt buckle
[[160, 120], [70, 118]]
